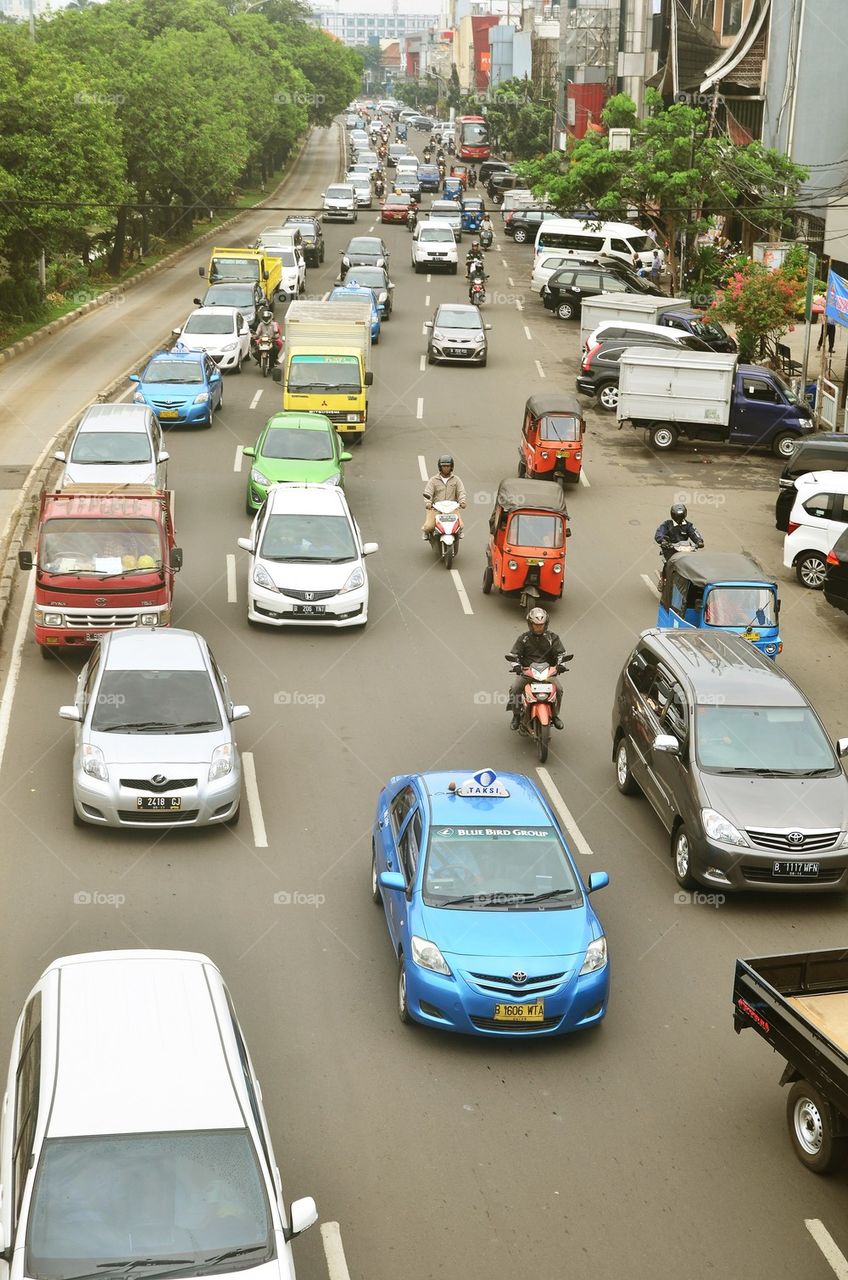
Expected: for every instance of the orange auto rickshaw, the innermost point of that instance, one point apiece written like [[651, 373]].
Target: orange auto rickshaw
[[551, 445], [527, 532], [460, 171]]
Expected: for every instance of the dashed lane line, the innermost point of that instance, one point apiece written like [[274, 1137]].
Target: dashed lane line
[[540, 370], [232, 590], [422, 467], [834, 1256], [331, 1237], [255, 401], [528, 335], [651, 585], [584, 479], [237, 461], [419, 408], [260, 838], [461, 592], [579, 841]]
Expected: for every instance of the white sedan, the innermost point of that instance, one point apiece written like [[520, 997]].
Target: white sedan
[[221, 332]]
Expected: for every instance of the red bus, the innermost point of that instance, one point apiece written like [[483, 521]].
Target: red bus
[[472, 138]]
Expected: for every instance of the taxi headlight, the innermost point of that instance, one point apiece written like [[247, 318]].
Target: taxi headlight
[[262, 578], [428, 956], [93, 763], [222, 761], [717, 827], [596, 956], [202, 398]]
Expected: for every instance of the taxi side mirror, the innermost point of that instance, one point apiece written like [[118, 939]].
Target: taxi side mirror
[[393, 880], [597, 880], [134, 377]]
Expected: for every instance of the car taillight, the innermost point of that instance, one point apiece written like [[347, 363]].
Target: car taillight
[[792, 526], [587, 359], [832, 558]]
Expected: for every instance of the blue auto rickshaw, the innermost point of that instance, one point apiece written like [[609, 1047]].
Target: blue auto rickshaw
[[724, 591], [473, 212], [452, 189]]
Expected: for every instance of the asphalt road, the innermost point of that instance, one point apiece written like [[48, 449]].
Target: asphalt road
[[653, 1147]]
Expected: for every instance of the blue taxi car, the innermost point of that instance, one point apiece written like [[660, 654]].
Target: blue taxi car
[[347, 293], [487, 913], [183, 388]]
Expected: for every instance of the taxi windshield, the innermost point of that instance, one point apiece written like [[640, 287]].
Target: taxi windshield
[[740, 607], [188, 371], [535, 531], [498, 867], [559, 426]]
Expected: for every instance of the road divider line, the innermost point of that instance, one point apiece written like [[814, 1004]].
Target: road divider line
[[15, 664], [461, 592], [331, 1237], [834, 1256], [422, 467], [260, 839], [528, 335], [519, 303], [427, 300], [419, 408], [650, 585], [238, 458], [422, 364], [370, 229], [424, 329], [584, 479], [232, 590], [580, 842], [429, 278], [511, 281], [255, 401], [504, 261], [540, 370]]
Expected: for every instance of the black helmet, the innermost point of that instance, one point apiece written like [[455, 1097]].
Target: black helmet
[[445, 461], [678, 513]]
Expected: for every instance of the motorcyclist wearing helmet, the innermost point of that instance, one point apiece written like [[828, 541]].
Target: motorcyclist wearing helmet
[[268, 328], [538, 644], [675, 530], [475, 253], [444, 486]]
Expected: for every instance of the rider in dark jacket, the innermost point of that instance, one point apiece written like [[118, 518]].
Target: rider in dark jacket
[[536, 645], [675, 530]]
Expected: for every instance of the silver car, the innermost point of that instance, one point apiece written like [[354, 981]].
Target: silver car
[[447, 211], [116, 444], [154, 743], [457, 335]]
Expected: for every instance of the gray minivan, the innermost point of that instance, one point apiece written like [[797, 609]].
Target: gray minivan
[[734, 761]]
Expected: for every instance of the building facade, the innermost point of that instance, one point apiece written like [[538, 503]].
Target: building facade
[[367, 28]]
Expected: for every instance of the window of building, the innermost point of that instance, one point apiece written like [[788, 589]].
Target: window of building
[[708, 13], [731, 17]]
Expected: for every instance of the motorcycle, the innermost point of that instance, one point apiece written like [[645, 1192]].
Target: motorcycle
[[265, 354], [412, 219], [477, 290], [486, 239], [668, 549], [427, 153], [447, 532], [379, 188], [538, 700]]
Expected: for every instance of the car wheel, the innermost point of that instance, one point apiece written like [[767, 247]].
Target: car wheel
[[484, 362], [375, 887], [431, 359], [47, 653], [681, 852], [624, 779], [249, 510], [784, 445], [403, 1007], [811, 570], [454, 266], [608, 396], [810, 1120], [239, 363], [566, 310], [519, 235]]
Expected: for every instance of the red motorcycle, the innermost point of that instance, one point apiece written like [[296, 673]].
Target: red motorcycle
[[477, 291], [538, 700]]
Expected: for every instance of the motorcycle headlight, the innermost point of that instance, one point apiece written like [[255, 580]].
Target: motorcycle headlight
[[222, 761], [717, 827], [202, 398], [93, 763], [428, 956], [258, 477], [356, 580], [262, 578], [596, 956]]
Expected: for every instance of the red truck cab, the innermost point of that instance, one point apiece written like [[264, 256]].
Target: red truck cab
[[105, 559]]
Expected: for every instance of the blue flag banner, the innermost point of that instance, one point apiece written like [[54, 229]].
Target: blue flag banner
[[836, 301]]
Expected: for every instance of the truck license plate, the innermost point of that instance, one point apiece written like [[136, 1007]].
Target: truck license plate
[[158, 802], [93, 636], [796, 870]]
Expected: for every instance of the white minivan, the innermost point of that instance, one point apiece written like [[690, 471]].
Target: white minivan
[[819, 516], [133, 1139], [618, 239], [434, 245]]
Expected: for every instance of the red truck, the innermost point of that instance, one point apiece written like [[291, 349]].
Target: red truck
[[105, 559]]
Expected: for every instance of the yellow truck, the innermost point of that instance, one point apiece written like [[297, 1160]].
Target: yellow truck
[[239, 266], [327, 363]]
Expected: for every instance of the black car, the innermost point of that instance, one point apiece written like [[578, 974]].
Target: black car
[[364, 251], [825, 452], [377, 280], [522, 224], [836, 582], [599, 372], [566, 288], [311, 233], [249, 298], [490, 167], [424, 123], [501, 182]]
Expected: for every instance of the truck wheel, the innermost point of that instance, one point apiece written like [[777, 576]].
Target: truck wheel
[[522, 470], [624, 779], [681, 852], [47, 653], [565, 310], [608, 396], [663, 436], [810, 1120], [784, 445], [811, 570]]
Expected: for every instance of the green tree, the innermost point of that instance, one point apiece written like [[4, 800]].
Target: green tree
[[520, 117]]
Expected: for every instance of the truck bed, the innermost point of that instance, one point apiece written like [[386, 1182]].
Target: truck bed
[[827, 1013]]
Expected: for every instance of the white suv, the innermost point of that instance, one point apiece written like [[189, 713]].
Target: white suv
[[340, 203], [434, 245], [818, 517], [307, 560]]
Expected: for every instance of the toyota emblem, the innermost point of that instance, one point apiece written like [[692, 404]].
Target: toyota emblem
[[158, 778], [519, 977], [795, 837]]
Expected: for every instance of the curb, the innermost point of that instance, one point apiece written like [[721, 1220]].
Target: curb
[[111, 295]]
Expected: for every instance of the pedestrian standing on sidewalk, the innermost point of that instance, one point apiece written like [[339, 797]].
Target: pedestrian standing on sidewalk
[[828, 330], [656, 267]]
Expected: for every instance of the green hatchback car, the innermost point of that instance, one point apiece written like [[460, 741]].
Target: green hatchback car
[[296, 448]]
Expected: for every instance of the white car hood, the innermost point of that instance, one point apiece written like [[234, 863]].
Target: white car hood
[[113, 474], [206, 341], [309, 577]]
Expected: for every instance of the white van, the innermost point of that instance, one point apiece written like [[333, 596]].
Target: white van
[[434, 245], [133, 1138], [618, 239]]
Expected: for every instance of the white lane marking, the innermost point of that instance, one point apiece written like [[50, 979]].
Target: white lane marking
[[331, 1237], [248, 769], [511, 281], [422, 364], [255, 401], [422, 467], [825, 1241], [579, 841], [427, 300], [419, 408], [652, 586], [461, 592], [370, 229], [424, 328], [528, 335], [232, 591], [539, 369], [15, 663], [519, 303], [237, 461], [430, 278], [504, 261], [584, 479]]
